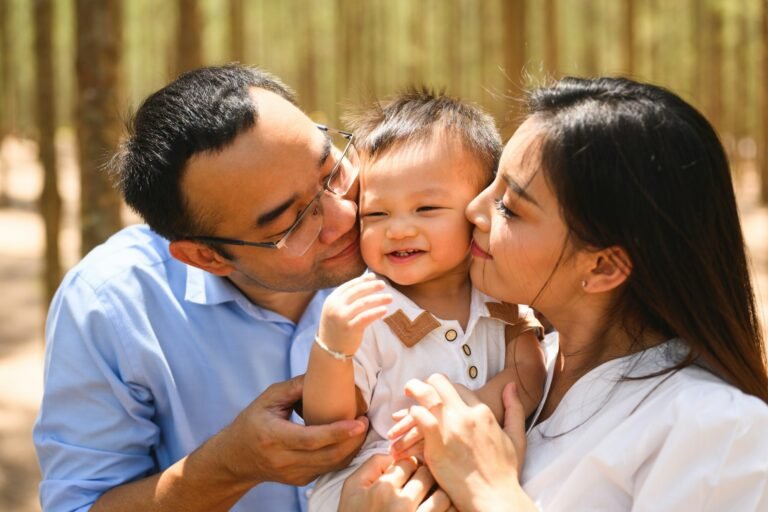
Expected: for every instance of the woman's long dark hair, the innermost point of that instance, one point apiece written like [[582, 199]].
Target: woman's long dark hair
[[635, 166]]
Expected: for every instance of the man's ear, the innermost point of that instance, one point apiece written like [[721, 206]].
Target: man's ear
[[200, 256], [610, 269]]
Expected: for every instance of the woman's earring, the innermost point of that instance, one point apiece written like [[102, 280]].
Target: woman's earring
[[584, 283]]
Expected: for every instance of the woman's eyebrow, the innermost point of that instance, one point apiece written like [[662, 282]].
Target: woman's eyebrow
[[517, 189]]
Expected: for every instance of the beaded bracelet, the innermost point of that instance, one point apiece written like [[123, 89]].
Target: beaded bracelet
[[339, 356]]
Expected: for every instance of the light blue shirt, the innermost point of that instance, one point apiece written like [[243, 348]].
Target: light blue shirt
[[146, 358]]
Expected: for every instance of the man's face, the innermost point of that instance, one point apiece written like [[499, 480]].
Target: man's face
[[254, 190]]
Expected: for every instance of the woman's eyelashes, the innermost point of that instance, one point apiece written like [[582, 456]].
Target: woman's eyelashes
[[502, 208]]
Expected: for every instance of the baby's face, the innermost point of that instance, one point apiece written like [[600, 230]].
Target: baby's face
[[412, 202]]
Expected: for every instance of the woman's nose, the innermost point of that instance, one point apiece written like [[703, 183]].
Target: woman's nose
[[478, 211]]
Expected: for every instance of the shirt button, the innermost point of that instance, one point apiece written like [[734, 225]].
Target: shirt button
[[473, 372], [451, 334], [466, 349]]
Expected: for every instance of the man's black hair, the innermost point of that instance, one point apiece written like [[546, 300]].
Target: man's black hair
[[202, 110]]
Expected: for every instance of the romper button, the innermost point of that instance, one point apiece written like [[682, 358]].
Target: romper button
[[451, 334], [466, 349], [473, 372]]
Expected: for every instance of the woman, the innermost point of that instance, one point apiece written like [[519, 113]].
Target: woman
[[613, 214]]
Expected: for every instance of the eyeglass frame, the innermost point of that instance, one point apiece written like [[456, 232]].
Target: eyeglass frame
[[325, 188]]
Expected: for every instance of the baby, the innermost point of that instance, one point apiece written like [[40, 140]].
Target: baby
[[424, 157]]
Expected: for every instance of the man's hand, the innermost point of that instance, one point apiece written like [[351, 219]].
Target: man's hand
[[263, 445]]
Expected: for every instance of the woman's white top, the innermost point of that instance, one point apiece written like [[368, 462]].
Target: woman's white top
[[683, 441]]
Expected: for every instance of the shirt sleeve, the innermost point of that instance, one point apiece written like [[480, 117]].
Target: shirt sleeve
[[714, 458], [94, 430]]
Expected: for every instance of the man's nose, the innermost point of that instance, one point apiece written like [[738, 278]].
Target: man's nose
[[339, 217]]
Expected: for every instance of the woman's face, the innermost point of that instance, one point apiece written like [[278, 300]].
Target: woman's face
[[520, 249]]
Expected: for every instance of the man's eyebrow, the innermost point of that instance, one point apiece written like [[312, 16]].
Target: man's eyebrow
[[268, 217], [517, 189], [325, 153]]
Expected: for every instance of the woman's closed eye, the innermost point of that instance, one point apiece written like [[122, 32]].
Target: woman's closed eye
[[502, 208]]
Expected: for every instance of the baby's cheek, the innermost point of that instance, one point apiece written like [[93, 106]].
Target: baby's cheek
[[370, 247]]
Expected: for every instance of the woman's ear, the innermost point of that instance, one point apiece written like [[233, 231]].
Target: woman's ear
[[201, 256], [610, 269]]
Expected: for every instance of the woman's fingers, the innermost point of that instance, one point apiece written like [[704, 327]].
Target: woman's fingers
[[438, 501], [414, 450], [419, 485], [425, 394], [514, 420], [399, 472], [402, 427], [410, 438]]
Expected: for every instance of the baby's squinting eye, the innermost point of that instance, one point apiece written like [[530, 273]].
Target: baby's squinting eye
[[372, 214], [427, 208]]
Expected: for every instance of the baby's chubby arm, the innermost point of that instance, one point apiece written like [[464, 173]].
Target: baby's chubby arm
[[524, 365], [329, 386]]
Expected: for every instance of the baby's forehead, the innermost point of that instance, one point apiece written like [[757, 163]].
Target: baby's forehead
[[441, 149]]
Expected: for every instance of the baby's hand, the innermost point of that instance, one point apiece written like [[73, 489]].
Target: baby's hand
[[351, 308], [408, 438]]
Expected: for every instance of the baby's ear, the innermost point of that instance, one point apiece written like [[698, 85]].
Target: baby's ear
[[610, 269], [201, 256]]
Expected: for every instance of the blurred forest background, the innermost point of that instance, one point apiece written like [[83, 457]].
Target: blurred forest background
[[71, 71]]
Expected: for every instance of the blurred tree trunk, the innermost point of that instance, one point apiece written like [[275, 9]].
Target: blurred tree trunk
[[189, 49], [6, 94], [589, 33], [764, 152], [628, 41], [50, 200], [551, 40], [513, 21], [416, 42], [307, 86], [236, 31], [452, 37], [98, 125], [710, 62], [349, 23]]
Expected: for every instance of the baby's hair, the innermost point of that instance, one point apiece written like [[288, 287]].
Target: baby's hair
[[414, 115]]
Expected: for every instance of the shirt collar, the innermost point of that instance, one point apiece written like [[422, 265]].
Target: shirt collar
[[410, 323], [208, 289]]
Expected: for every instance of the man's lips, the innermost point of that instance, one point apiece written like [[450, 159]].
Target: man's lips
[[477, 252]]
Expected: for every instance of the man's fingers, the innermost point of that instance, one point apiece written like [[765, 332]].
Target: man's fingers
[[399, 415], [445, 389], [438, 501], [316, 437], [282, 395]]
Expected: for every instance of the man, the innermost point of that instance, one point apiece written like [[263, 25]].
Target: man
[[159, 341]]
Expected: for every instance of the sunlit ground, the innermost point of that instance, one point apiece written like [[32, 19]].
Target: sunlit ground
[[22, 303]]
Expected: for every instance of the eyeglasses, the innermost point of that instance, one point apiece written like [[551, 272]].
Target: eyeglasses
[[300, 236]]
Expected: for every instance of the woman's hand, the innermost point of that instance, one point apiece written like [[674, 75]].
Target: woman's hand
[[471, 457], [383, 485]]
